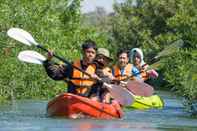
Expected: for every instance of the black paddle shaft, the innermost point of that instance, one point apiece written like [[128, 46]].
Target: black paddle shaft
[[62, 59], [65, 61]]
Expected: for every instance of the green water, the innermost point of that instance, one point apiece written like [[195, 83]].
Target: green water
[[28, 115]]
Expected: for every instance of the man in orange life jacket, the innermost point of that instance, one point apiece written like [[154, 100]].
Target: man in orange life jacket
[[123, 68], [78, 82]]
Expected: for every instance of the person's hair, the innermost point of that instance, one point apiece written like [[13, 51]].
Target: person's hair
[[122, 51], [89, 44]]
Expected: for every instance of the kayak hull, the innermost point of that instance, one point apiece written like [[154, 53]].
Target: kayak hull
[[69, 105], [151, 102]]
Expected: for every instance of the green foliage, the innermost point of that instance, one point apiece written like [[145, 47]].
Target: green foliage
[[152, 26], [144, 24], [54, 24], [60, 26], [181, 72], [99, 22]]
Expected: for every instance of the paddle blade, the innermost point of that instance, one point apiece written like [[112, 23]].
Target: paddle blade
[[155, 65], [140, 88], [170, 49], [123, 96], [21, 36], [31, 57]]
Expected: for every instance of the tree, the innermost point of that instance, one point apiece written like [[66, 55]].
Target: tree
[[152, 26]]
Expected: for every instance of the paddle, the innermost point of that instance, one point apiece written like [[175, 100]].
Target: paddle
[[31, 57], [120, 94], [145, 89], [176, 45], [117, 91], [27, 39], [172, 48]]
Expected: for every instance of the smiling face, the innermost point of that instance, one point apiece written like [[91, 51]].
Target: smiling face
[[102, 59], [123, 59]]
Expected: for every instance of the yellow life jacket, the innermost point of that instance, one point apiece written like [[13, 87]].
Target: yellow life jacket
[[127, 72], [80, 80]]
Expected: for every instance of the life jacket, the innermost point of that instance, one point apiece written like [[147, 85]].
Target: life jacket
[[143, 75], [81, 81], [140, 74], [127, 72]]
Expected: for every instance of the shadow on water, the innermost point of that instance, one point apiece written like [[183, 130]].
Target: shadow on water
[[30, 115]]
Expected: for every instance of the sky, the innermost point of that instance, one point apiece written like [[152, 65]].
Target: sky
[[90, 5]]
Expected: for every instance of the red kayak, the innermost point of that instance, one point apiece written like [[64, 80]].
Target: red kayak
[[70, 105]]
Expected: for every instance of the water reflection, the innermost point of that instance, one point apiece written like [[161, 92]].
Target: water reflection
[[30, 116], [88, 126], [113, 126]]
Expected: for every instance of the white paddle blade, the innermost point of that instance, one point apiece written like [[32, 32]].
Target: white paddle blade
[[123, 96], [31, 57], [21, 36]]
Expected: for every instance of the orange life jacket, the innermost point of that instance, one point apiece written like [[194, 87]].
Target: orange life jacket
[[81, 81], [144, 75], [127, 72]]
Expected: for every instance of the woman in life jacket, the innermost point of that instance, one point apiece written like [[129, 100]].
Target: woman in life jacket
[[140, 68]]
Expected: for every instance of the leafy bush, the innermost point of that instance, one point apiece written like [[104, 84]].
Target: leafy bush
[[54, 24], [152, 26]]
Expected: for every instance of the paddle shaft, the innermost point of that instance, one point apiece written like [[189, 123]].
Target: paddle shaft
[[104, 83], [161, 54], [65, 61], [26, 38], [107, 85]]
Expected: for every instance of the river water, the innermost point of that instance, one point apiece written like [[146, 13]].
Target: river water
[[30, 115]]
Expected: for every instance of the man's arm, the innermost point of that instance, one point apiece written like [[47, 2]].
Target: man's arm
[[57, 71]]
